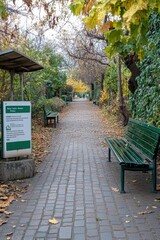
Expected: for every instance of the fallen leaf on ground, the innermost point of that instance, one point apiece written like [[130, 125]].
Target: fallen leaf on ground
[[134, 181], [19, 181], [146, 212], [53, 221], [2, 222], [8, 213], [157, 200], [2, 210], [4, 198], [115, 189], [9, 234]]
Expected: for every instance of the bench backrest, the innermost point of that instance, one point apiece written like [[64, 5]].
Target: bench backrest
[[47, 109], [145, 137]]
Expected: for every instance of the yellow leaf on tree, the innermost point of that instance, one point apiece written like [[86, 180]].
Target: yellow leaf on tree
[[53, 221], [129, 14]]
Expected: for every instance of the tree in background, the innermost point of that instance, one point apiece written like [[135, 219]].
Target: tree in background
[[85, 51], [13, 35], [124, 24], [79, 87]]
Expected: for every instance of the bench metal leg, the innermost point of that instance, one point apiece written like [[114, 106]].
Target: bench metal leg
[[45, 123], [109, 155], [122, 175], [55, 121], [154, 178]]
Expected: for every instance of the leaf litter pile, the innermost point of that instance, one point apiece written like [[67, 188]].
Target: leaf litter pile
[[41, 138], [9, 192], [112, 127]]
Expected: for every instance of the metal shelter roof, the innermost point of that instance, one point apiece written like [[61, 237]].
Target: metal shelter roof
[[12, 60]]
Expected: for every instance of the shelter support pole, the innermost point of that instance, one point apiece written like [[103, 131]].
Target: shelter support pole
[[12, 73], [21, 75]]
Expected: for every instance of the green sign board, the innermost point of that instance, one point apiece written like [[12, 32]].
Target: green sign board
[[16, 129]]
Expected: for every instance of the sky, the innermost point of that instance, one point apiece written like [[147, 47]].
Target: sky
[[27, 20]]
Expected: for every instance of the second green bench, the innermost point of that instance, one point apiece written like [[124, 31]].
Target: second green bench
[[49, 115]]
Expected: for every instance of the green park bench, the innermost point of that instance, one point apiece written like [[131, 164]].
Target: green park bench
[[137, 151], [49, 114]]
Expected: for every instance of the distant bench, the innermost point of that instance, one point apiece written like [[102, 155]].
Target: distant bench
[[137, 151], [49, 115]]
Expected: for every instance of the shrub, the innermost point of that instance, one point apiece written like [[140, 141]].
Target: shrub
[[55, 103]]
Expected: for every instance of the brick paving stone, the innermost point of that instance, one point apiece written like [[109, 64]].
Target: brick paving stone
[[74, 185], [65, 233], [106, 236], [79, 237]]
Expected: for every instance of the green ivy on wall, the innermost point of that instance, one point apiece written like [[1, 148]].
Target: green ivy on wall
[[145, 103]]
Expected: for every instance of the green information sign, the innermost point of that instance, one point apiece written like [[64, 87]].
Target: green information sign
[[16, 129]]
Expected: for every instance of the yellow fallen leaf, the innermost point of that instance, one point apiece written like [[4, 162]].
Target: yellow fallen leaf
[[53, 221]]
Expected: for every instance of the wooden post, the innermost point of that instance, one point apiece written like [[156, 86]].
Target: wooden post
[[12, 73], [21, 75]]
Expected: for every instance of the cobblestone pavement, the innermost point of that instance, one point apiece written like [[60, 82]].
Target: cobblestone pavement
[[76, 185]]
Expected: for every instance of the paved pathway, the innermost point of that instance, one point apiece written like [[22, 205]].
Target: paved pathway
[[77, 186]]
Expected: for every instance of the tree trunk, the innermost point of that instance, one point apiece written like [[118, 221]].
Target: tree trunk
[[122, 106], [131, 63], [102, 81]]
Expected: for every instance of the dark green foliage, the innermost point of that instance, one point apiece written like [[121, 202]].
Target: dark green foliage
[[67, 93], [145, 103], [55, 103]]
